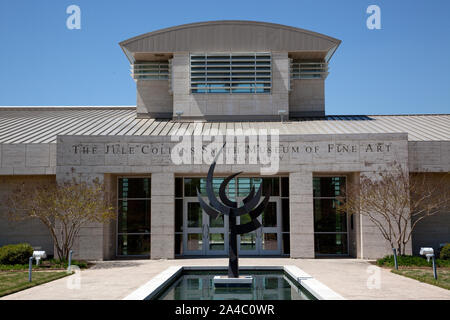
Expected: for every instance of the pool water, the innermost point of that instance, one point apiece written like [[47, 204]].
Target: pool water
[[267, 285]]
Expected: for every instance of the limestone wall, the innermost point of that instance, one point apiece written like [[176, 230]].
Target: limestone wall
[[33, 231], [434, 230]]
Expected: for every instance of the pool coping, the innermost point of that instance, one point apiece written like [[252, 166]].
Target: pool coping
[[313, 286]]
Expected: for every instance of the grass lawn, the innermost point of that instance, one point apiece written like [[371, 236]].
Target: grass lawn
[[13, 281], [426, 275]]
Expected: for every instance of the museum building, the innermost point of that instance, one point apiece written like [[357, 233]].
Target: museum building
[[202, 79]]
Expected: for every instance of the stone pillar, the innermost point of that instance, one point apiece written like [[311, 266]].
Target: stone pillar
[[301, 214], [163, 216]]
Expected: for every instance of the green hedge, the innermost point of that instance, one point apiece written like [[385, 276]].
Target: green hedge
[[445, 252], [12, 254], [411, 261]]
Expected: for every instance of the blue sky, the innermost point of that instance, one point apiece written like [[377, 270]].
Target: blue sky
[[402, 68]]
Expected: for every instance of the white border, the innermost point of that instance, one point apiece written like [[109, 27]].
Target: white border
[[313, 286]]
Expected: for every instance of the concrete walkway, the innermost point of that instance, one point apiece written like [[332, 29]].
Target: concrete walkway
[[348, 277]]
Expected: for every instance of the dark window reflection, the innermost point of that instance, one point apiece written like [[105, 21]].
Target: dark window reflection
[[178, 187], [327, 218], [134, 216], [286, 243], [285, 215], [194, 214], [134, 188], [331, 243], [330, 225], [328, 186], [269, 216], [178, 215], [285, 187], [134, 244]]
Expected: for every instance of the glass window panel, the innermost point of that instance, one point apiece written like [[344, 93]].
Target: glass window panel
[[216, 222], [248, 241], [269, 216], [328, 186], [331, 243], [284, 186], [326, 218], [179, 244], [286, 243], [133, 245], [134, 216], [194, 241], [216, 241], [178, 215], [274, 184], [269, 241], [194, 215], [245, 185], [285, 215], [245, 218], [178, 187], [192, 184], [134, 188]]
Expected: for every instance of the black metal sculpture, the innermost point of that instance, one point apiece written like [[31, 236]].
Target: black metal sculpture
[[230, 208]]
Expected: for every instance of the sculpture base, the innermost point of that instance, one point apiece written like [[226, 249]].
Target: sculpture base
[[225, 281]]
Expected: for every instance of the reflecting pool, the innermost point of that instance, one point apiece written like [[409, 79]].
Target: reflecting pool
[[267, 285]]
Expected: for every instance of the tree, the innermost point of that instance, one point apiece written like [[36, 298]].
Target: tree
[[63, 208], [396, 201]]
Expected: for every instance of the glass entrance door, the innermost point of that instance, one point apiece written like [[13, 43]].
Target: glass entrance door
[[265, 240], [199, 234], [203, 235]]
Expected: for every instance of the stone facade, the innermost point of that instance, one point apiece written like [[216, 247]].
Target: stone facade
[[301, 157]]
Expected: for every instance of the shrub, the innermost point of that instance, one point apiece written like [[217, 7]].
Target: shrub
[[410, 261], [445, 252], [15, 253]]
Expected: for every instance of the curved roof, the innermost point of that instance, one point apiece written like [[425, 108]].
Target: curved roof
[[230, 35]]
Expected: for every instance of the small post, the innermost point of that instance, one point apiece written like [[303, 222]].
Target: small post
[[30, 267], [282, 113], [434, 268], [395, 258], [70, 259]]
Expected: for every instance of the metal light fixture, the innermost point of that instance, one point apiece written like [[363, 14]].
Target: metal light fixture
[[282, 113], [179, 113], [429, 253]]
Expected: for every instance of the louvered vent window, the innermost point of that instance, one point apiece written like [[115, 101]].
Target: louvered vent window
[[157, 70], [231, 73], [308, 70]]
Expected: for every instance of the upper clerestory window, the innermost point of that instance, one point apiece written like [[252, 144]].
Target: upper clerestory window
[[231, 72], [308, 70], [151, 70]]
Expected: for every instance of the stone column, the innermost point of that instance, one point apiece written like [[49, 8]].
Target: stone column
[[163, 216], [301, 214]]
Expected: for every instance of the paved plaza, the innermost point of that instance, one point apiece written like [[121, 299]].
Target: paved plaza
[[348, 277]]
